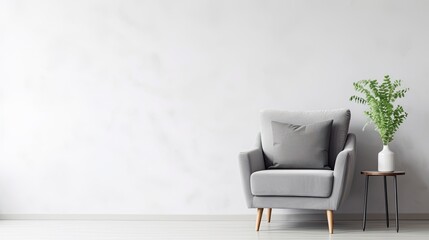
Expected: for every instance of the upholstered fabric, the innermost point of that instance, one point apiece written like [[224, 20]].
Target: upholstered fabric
[[292, 182], [343, 177], [339, 130], [252, 161], [300, 146]]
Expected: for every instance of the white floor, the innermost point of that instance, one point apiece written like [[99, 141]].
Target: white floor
[[124, 230]]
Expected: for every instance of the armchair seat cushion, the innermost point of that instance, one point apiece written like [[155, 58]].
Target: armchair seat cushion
[[292, 182]]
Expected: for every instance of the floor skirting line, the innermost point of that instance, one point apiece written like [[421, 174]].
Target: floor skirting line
[[243, 217]]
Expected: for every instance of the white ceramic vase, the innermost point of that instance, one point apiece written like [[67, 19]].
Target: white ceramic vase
[[386, 160]]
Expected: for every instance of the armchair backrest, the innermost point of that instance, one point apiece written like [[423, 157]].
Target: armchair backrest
[[339, 131]]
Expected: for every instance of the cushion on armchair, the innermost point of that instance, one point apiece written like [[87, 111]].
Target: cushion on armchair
[[339, 129], [292, 182], [301, 146]]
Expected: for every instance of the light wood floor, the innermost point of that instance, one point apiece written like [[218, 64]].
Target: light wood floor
[[124, 230]]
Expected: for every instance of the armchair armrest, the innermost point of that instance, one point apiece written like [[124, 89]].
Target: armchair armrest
[[343, 172], [250, 162]]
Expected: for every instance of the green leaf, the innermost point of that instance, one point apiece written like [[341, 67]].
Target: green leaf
[[380, 97]]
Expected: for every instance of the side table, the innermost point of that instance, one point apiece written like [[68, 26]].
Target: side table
[[395, 182]]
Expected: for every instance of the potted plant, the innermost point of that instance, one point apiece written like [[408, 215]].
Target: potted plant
[[386, 117]]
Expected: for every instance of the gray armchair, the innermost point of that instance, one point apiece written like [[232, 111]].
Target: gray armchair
[[321, 189]]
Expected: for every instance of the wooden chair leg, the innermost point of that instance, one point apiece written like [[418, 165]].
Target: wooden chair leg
[[258, 218], [269, 214], [330, 216]]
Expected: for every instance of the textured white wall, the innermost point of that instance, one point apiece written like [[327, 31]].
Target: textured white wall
[[142, 106]]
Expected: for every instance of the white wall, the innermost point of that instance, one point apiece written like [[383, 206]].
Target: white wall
[[142, 106]]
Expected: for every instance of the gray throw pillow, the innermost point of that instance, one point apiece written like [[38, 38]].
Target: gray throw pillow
[[301, 146]]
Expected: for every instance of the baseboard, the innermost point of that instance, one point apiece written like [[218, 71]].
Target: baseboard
[[243, 217]]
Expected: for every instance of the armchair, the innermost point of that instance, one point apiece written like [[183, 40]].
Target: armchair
[[320, 189]]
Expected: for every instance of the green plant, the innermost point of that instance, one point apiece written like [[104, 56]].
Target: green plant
[[380, 98]]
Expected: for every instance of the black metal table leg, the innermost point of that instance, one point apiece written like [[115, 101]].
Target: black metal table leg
[[394, 174], [395, 181], [386, 205], [365, 202]]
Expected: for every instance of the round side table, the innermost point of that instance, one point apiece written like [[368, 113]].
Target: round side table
[[368, 174]]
